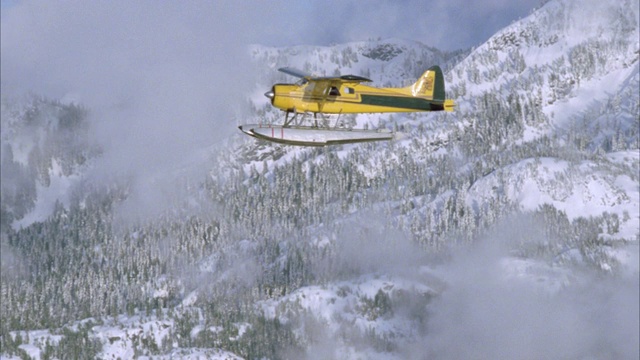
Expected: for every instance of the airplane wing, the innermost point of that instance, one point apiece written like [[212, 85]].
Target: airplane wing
[[295, 72], [340, 79]]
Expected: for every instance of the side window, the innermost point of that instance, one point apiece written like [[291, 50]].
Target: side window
[[349, 90]]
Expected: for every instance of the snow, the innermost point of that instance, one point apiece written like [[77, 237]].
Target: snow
[[242, 328], [341, 303], [580, 190], [588, 93], [190, 299], [58, 190], [196, 354], [37, 339], [120, 337]]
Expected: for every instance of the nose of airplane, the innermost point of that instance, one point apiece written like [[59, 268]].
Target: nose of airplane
[[270, 94]]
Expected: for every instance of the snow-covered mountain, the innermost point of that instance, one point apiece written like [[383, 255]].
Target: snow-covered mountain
[[506, 229]]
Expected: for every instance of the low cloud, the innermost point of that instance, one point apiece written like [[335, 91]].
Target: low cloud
[[488, 313], [163, 84], [495, 305]]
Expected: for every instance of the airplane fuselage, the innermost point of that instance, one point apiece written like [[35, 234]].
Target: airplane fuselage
[[345, 95], [352, 98]]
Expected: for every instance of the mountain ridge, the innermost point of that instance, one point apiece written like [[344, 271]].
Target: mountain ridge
[[522, 204]]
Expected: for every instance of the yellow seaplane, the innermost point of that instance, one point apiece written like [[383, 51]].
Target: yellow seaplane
[[344, 94]]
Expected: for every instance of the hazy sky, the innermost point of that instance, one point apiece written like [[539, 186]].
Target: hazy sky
[[166, 79], [104, 50], [445, 24]]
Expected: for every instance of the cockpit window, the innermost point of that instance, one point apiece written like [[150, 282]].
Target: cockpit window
[[333, 91]]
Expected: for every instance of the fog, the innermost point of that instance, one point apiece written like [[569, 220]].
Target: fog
[[162, 83], [485, 314], [492, 304], [498, 306], [165, 83]]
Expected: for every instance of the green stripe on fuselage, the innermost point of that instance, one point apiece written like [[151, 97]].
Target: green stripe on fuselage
[[405, 102]]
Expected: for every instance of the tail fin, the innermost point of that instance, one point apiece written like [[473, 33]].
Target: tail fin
[[430, 84]]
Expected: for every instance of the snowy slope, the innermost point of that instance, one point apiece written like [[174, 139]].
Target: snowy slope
[[568, 57], [571, 70], [394, 62], [580, 189], [517, 216], [569, 67], [45, 151]]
